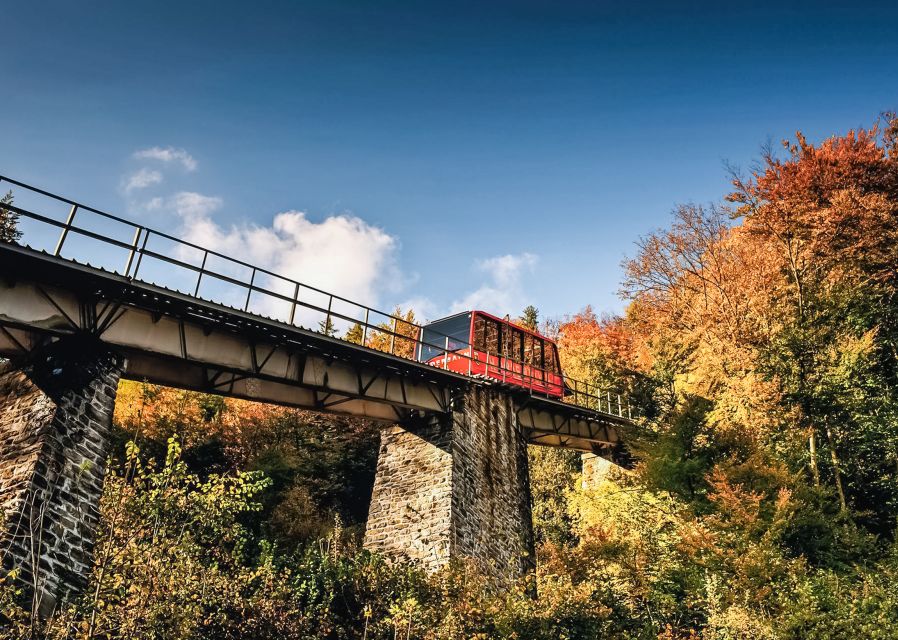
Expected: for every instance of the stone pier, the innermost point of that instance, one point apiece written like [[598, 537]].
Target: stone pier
[[55, 418], [456, 487]]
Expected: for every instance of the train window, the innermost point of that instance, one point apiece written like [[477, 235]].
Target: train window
[[528, 349], [491, 343], [551, 364], [487, 335], [479, 332], [455, 329], [538, 353], [517, 345]]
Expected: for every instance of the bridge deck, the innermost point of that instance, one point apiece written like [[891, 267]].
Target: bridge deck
[[183, 340]]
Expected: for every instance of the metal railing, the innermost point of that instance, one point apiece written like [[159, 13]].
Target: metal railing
[[380, 331]]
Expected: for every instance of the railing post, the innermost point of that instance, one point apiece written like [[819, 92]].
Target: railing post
[[199, 276], [365, 328], [131, 253], [620, 408], [143, 247], [295, 300], [327, 318], [65, 229], [249, 289], [393, 337]]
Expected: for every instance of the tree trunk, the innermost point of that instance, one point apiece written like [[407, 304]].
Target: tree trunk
[[812, 445], [837, 474]]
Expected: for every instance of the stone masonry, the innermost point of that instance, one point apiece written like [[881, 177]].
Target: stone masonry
[[55, 420], [456, 487]]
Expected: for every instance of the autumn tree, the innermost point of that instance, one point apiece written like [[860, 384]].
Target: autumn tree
[[827, 213], [397, 335], [779, 308]]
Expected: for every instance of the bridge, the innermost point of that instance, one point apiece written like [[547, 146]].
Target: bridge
[[88, 298]]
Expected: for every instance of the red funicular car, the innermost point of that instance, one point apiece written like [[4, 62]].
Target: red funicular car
[[478, 343]]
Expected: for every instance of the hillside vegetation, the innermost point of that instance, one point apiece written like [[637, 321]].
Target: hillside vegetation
[[761, 341]]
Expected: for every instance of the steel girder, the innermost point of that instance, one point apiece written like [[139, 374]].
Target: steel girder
[[179, 340]]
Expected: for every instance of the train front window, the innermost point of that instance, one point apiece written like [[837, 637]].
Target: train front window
[[450, 332]]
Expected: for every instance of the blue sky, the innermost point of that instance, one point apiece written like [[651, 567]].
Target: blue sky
[[488, 154]]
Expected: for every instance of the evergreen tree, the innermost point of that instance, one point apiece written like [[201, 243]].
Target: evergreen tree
[[9, 231], [529, 317], [355, 333], [326, 327]]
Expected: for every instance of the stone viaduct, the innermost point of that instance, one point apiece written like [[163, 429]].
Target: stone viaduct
[[452, 476]]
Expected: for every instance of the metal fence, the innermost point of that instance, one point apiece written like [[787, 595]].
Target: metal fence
[[140, 253]]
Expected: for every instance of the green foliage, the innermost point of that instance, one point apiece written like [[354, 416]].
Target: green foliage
[[355, 333], [9, 231], [529, 318], [553, 474]]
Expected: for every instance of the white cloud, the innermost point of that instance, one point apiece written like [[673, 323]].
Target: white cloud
[[142, 179], [503, 292], [426, 310], [167, 155], [190, 205], [341, 254]]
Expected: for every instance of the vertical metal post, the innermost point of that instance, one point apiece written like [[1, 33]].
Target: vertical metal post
[[249, 290], [143, 248], [620, 408], [65, 229], [295, 300], [365, 329], [393, 336], [446, 354], [131, 253], [327, 318], [199, 276]]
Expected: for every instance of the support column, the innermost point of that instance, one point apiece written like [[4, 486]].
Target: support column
[[456, 487], [55, 420]]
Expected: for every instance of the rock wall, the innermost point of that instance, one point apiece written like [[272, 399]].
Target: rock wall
[[596, 469], [55, 419], [456, 487]]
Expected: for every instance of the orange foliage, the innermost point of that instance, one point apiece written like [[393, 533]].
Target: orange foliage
[[402, 343], [827, 206], [588, 345]]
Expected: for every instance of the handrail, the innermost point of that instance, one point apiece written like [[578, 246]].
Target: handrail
[[535, 379]]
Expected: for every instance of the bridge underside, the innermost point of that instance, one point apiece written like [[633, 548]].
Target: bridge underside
[[178, 340]]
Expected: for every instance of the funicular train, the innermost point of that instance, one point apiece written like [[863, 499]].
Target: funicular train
[[478, 343]]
